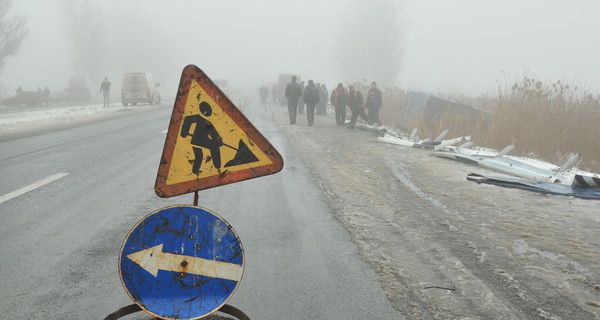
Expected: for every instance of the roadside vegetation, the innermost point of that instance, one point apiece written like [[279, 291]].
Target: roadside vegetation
[[544, 121]]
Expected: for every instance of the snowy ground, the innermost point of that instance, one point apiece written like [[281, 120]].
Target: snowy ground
[[447, 248], [443, 247], [17, 122]]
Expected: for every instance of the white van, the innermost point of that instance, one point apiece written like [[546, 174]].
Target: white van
[[139, 87]]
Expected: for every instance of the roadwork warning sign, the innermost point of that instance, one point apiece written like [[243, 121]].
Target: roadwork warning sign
[[209, 141]]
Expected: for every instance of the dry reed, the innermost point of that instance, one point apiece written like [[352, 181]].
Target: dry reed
[[543, 121]]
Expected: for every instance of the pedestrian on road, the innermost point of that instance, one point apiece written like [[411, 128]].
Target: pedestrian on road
[[323, 97], [339, 99], [301, 101], [355, 102], [264, 92], [374, 103], [293, 92], [105, 90], [311, 98]]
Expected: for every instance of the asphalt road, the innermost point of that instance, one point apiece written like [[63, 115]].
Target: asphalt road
[[69, 198]]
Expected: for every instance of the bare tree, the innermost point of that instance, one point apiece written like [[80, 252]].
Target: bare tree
[[86, 32], [12, 31], [371, 43]]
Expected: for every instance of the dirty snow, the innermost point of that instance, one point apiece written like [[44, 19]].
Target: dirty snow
[[443, 247], [447, 248], [16, 122]]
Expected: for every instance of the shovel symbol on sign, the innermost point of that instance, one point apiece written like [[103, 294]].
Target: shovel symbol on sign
[[243, 155], [205, 136]]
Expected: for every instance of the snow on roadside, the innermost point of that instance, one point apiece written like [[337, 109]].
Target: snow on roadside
[[14, 122]]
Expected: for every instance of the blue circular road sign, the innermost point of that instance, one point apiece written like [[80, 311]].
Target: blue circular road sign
[[181, 262]]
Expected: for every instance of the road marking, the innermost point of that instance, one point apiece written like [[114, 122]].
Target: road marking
[[165, 131], [31, 187], [153, 259]]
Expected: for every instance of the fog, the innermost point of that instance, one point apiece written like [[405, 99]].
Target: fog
[[460, 46]]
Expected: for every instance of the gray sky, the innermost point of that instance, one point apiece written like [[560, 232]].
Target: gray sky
[[458, 46]]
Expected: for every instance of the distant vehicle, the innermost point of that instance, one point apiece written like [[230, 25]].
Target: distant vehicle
[[26, 98], [77, 91], [139, 87]]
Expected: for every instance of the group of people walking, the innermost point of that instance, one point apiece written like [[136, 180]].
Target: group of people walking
[[314, 96], [311, 95]]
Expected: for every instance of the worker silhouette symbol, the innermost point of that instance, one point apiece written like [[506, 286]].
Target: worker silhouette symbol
[[205, 136]]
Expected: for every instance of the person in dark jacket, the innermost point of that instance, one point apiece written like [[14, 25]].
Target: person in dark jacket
[[311, 98], [339, 99], [105, 90], [374, 103], [264, 92], [293, 92], [355, 102]]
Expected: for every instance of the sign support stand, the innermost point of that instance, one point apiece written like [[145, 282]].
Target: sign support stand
[[200, 104], [133, 308]]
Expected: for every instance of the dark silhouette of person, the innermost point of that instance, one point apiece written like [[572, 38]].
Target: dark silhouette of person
[[311, 98], [355, 102], [105, 90], [264, 92], [339, 99], [204, 136], [374, 103], [293, 92]]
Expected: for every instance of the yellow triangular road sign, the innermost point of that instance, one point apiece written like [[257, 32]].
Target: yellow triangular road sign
[[210, 142]]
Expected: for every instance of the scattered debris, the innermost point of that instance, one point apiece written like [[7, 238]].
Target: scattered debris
[[413, 141], [586, 181], [537, 186], [436, 287], [510, 166]]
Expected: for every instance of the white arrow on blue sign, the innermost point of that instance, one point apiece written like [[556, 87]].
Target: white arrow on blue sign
[[181, 262]]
